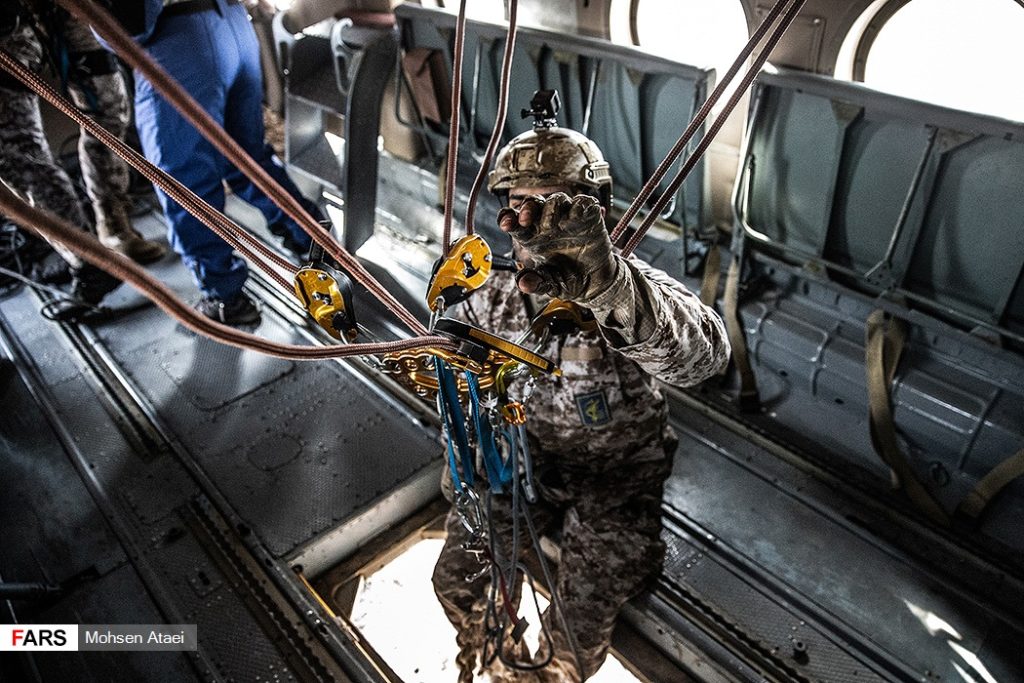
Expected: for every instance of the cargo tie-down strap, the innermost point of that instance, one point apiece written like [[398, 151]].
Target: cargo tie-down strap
[[886, 338]]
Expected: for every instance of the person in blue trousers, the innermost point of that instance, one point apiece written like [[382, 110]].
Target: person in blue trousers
[[210, 47]]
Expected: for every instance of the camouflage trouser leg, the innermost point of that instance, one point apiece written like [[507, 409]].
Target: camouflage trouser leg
[[102, 94], [26, 163], [611, 548], [465, 602]]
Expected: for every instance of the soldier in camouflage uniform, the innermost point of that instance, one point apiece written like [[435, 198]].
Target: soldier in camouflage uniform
[[98, 88], [599, 434], [27, 165], [90, 75]]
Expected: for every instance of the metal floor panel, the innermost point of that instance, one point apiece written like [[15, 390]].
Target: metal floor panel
[[151, 495], [292, 453], [288, 443], [767, 541], [806, 649], [53, 533], [60, 530], [207, 601], [118, 598]]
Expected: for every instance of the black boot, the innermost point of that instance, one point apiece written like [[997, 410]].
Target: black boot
[[89, 285], [241, 310], [300, 250], [53, 271]]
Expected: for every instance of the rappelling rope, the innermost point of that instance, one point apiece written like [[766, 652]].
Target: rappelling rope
[[695, 124], [86, 246], [451, 166], [499, 123], [709, 136]]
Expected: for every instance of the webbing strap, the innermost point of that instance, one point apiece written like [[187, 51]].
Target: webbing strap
[[498, 472], [991, 484], [885, 340], [749, 400], [712, 274], [454, 424]]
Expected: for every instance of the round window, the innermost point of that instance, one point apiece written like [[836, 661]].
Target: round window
[[956, 54]]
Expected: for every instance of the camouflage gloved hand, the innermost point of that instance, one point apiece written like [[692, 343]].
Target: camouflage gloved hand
[[563, 244]]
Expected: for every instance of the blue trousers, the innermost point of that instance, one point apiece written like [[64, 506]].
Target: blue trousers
[[214, 54]]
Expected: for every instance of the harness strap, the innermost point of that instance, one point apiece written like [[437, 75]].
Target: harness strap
[[453, 420], [749, 399], [886, 337], [712, 274], [975, 502], [498, 473]]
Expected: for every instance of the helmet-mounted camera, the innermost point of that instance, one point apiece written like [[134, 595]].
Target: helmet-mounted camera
[[544, 106]]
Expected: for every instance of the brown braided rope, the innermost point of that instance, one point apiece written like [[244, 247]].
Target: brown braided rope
[[136, 57], [698, 120], [451, 170], [249, 245], [709, 136], [89, 248], [499, 121]]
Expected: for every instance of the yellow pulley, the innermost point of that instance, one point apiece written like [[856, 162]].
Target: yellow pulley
[[562, 317], [458, 275], [327, 294]]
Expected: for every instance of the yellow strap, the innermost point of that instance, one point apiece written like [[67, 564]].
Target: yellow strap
[[885, 339], [712, 274], [991, 484], [749, 398]]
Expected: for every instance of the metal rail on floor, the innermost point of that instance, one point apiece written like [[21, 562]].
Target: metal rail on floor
[[131, 542], [271, 576]]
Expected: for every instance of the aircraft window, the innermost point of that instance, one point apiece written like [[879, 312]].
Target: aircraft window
[[941, 52], [696, 32]]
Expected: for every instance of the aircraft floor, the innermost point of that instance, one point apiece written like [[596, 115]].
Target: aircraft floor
[[761, 552]]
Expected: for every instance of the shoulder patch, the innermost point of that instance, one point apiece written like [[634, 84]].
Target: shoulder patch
[[593, 409]]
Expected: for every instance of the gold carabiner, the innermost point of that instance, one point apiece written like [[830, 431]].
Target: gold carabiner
[[562, 317]]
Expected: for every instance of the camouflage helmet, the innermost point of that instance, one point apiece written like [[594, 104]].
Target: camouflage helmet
[[549, 156]]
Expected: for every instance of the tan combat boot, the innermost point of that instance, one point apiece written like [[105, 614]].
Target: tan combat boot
[[116, 232]]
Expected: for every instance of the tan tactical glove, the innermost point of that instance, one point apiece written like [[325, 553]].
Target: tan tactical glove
[[563, 244]]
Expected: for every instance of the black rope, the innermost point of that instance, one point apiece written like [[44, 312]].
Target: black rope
[[556, 601]]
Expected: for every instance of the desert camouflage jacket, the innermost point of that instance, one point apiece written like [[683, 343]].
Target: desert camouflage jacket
[[606, 408]]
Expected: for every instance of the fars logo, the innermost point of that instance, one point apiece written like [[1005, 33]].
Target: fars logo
[[38, 637]]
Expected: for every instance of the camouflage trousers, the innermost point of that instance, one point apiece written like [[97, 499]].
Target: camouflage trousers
[[26, 163], [97, 89], [610, 547]]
